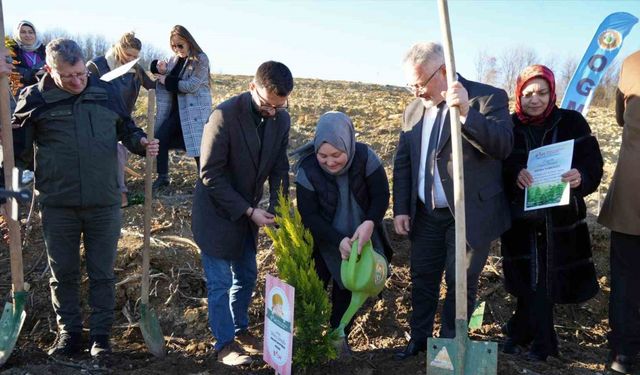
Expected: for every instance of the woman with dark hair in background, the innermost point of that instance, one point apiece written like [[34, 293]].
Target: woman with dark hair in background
[[128, 85], [183, 100], [547, 252]]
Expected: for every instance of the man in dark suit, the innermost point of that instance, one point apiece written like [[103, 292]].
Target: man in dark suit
[[244, 144], [423, 185]]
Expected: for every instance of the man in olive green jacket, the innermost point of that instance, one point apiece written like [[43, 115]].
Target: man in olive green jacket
[[76, 121]]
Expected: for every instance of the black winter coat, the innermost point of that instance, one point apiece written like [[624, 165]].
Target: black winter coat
[[128, 85], [75, 137], [318, 207], [28, 73], [569, 270]]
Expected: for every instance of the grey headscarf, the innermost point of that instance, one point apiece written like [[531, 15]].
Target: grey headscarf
[[336, 129], [26, 47]]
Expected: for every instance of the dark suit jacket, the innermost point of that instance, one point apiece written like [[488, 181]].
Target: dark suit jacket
[[487, 139], [234, 168]]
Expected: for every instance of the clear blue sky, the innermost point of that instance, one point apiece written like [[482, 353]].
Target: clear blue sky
[[352, 40]]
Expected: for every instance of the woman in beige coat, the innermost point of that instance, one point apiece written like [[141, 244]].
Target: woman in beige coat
[[621, 214]]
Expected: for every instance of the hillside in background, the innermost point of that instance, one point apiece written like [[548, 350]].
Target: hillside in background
[[178, 289]]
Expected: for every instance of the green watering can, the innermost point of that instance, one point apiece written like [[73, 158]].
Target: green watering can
[[364, 275]]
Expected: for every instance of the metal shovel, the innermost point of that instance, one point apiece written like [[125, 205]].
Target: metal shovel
[[458, 355], [149, 324], [13, 315]]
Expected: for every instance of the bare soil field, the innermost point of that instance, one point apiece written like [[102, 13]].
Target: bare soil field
[[178, 289]]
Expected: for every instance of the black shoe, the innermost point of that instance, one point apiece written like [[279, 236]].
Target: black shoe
[[412, 349], [161, 181], [620, 363], [68, 344], [511, 347], [100, 346]]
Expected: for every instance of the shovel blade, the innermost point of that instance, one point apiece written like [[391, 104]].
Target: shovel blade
[[11, 323], [151, 331], [480, 358], [476, 318]]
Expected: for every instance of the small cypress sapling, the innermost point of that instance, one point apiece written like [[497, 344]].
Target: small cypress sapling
[[293, 246]]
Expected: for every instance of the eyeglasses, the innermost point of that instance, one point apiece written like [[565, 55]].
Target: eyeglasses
[[177, 46], [70, 77], [419, 90], [270, 109]]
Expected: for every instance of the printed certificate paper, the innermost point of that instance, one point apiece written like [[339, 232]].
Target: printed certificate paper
[[547, 164]]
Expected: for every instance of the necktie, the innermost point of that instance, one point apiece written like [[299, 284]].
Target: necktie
[[430, 163]]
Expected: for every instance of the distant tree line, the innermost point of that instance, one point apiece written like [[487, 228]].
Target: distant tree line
[[501, 70], [94, 45]]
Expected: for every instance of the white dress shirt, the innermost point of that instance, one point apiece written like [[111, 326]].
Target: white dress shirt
[[439, 198]]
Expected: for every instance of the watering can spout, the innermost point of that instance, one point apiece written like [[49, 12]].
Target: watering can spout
[[364, 275], [357, 300]]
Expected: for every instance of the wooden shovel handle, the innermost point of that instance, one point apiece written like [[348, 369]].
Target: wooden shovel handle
[[458, 173], [10, 178], [148, 199]]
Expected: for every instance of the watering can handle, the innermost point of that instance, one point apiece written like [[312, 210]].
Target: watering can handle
[[351, 265]]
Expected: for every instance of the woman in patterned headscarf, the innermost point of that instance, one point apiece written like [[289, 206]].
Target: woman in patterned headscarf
[[547, 252]]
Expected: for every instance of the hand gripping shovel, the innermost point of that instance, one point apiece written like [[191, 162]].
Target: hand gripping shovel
[[149, 324], [459, 355], [13, 315], [364, 275]]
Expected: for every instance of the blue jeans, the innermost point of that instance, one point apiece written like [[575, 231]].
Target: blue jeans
[[230, 285]]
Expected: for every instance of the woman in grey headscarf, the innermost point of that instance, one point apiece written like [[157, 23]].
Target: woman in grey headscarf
[[28, 54], [343, 194]]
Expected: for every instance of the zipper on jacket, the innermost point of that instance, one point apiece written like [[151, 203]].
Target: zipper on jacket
[[93, 134]]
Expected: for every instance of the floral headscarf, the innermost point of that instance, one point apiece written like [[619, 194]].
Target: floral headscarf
[[529, 73]]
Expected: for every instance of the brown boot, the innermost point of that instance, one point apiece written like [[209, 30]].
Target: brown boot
[[249, 342], [233, 355]]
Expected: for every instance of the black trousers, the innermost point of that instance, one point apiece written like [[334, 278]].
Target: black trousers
[[340, 298], [532, 322], [624, 300], [169, 133], [433, 252], [99, 230]]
